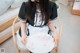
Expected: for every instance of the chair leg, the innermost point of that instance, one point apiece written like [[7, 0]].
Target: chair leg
[[19, 51], [56, 51]]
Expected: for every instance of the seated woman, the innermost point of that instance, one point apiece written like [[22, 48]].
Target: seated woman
[[37, 14]]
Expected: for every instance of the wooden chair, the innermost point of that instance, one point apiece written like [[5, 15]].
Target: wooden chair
[[14, 39], [60, 33]]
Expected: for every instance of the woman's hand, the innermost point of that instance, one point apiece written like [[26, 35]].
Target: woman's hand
[[24, 39], [56, 39]]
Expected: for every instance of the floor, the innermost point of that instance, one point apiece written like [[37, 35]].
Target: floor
[[70, 40]]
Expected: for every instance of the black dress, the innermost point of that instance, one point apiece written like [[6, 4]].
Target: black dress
[[33, 22]]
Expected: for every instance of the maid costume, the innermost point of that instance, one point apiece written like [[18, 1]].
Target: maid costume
[[36, 25]]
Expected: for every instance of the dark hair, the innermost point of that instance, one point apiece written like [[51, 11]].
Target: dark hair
[[43, 7]]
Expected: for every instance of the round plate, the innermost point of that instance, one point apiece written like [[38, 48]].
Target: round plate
[[40, 43]]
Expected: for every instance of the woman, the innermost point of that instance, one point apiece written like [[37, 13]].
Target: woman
[[37, 14]]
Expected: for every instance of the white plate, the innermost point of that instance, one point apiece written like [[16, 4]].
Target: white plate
[[40, 43]]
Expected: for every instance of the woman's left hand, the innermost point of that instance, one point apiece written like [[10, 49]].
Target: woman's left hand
[[56, 39]]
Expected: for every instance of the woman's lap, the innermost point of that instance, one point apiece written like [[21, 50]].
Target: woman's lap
[[19, 35]]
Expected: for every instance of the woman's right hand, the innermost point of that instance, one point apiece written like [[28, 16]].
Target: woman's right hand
[[24, 39]]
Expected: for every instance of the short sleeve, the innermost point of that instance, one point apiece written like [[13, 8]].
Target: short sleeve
[[21, 14], [54, 11]]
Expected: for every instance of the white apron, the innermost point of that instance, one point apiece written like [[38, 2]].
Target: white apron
[[32, 30]]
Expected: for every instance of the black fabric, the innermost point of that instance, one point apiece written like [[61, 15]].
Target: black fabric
[[53, 11], [22, 11], [26, 33], [25, 6], [31, 52]]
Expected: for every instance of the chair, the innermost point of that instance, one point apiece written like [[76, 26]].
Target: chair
[[60, 34], [14, 33], [15, 42]]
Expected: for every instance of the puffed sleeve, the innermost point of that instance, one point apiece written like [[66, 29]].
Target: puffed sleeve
[[21, 14], [54, 11]]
